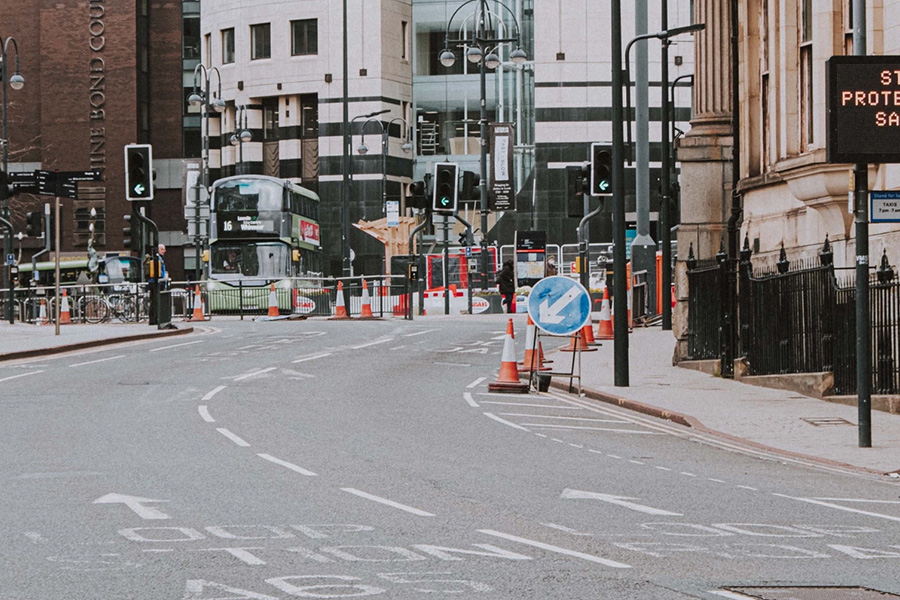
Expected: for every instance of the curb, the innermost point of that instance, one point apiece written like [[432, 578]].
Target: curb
[[92, 343], [693, 423]]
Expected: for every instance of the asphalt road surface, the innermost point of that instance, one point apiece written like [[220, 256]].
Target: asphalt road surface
[[326, 459]]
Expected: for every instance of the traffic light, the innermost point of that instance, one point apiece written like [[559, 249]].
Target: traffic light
[[139, 172], [601, 170], [416, 197], [446, 184], [577, 182], [34, 223], [131, 233], [469, 190]]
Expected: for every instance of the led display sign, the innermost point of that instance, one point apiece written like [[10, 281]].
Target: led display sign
[[863, 106]]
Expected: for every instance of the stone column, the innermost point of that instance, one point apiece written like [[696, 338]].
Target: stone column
[[705, 154]]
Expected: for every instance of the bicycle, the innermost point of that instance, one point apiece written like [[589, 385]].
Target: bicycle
[[127, 308]]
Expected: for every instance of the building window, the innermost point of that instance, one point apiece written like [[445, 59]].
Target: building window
[[404, 40], [260, 41], [309, 116], [806, 76], [190, 40], [270, 119], [304, 37], [228, 46]]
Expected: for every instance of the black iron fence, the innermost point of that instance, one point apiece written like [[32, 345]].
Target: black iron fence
[[796, 319]]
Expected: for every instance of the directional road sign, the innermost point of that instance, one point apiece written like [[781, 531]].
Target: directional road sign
[[559, 305]]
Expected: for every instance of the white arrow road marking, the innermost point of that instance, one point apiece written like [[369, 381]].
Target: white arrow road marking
[[619, 501], [136, 504], [550, 314]]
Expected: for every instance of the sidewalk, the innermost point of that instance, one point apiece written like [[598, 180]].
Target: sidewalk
[[782, 421], [776, 419], [23, 340]]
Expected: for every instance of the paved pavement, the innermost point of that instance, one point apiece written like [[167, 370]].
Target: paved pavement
[[779, 420]]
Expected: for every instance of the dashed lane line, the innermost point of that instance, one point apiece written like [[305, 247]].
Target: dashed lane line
[[283, 463], [386, 502], [212, 393], [160, 349], [299, 360], [237, 440], [204, 414], [253, 374], [21, 375], [99, 360]]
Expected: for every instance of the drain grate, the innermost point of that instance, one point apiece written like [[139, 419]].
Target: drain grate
[[813, 593], [826, 421]]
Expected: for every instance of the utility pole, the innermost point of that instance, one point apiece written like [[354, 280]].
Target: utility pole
[[620, 298]]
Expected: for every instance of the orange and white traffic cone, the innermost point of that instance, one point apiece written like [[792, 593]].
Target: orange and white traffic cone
[[366, 311], [605, 327], [64, 315], [197, 315], [42, 317], [340, 310], [508, 378], [533, 352], [273, 301], [579, 342]]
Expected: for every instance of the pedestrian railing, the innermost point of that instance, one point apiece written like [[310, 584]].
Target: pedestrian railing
[[795, 318]]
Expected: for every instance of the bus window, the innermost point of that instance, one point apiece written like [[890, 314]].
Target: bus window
[[119, 269]]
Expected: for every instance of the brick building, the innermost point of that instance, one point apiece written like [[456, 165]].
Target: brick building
[[99, 74]]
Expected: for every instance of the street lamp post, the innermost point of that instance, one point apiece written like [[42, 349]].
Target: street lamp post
[[665, 229], [199, 98], [241, 134], [15, 81], [482, 48]]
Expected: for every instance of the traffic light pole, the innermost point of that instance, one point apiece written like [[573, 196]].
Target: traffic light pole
[[620, 298], [7, 279], [583, 253]]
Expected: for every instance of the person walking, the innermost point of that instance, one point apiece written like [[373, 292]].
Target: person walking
[[506, 283]]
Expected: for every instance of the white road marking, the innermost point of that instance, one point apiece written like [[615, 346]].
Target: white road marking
[[419, 333], [212, 393], [730, 595], [575, 427], [476, 383], [311, 357], [566, 529], [745, 487], [253, 374], [618, 501], [716, 480], [865, 500], [232, 437], [686, 474], [387, 502], [556, 549], [504, 421], [135, 504], [663, 468], [503, 395], [35, 537], [20, 375], [446, 364], [99, 360], [839, 507], [468, 398], [176, 346], [375, 343], [528, 405], [284, 463], [205, 414], [589, 419]]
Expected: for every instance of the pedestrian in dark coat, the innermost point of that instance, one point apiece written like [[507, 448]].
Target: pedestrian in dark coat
[[506, 282]]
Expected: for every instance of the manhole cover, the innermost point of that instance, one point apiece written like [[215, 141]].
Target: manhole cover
[[813, 593], [825, 421]]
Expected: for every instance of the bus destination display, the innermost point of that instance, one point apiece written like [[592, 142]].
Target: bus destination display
[[863, 106]]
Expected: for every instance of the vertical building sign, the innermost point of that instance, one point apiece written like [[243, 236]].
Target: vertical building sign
[[501, 188]]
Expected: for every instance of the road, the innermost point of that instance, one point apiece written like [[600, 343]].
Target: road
[[326, 459]]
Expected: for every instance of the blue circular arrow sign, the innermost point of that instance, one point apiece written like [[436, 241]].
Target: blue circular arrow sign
[[559, 305]]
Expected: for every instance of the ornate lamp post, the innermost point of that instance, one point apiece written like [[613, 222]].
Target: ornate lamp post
[[199, 98], [241, 134], [482, 48], [16, 82]]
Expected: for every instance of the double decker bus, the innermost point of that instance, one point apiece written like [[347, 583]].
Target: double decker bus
[[264, 230]]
